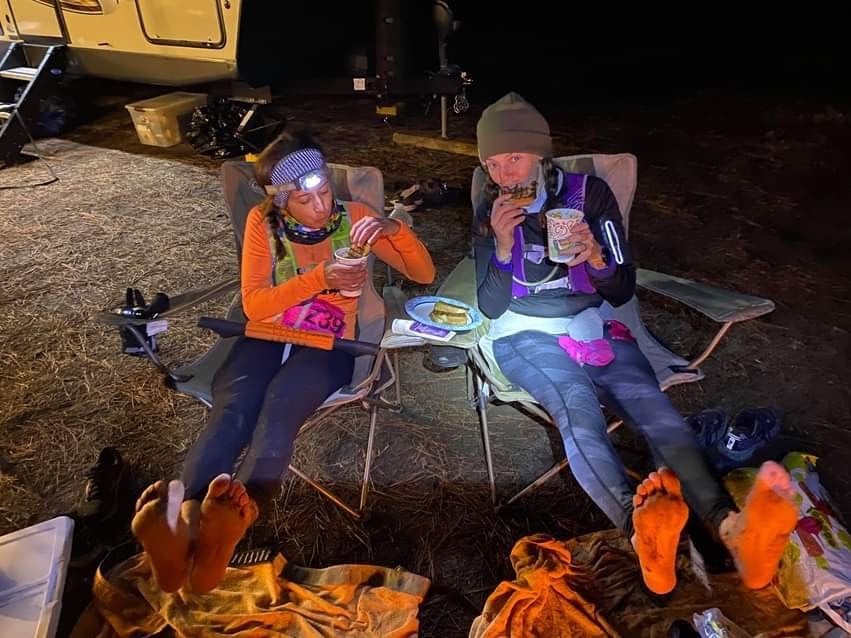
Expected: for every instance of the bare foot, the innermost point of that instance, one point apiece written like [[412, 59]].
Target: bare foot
[[659, 516], [757, 536], [226, 512], [163, 533]]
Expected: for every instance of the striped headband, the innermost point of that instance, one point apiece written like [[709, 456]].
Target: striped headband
[[289, 169]]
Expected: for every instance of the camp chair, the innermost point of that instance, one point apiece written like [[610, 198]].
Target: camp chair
[[373, 373], [487, 382]]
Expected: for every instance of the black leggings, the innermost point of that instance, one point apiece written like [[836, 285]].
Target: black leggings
[[259, 403]]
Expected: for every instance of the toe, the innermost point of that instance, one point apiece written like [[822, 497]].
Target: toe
[[144, 497], [773, 474], [236, 489], [174, 493], [153, 491], [656, 480], [160, 489], [670, 482], [175, 489], [219, 486]]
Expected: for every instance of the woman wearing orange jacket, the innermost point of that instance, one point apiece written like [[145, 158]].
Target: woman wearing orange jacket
[[265, 391]]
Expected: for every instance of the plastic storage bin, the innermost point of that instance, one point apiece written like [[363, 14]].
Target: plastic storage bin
[[33, 564], [161, 120]]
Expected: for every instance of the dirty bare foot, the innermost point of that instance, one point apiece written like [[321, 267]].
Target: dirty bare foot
[[659, 516], [163, 533], [226, 512], [757, 536]]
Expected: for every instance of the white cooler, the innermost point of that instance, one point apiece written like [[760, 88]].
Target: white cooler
[[33, 564]]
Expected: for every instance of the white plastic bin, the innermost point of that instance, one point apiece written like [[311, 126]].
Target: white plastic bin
[[33, 564], [161, 120]]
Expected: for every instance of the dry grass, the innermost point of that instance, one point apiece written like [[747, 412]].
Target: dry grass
[[69, 249]]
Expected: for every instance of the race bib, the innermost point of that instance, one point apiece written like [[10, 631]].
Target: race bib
[[316, 315]]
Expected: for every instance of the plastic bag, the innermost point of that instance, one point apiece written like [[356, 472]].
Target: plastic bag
[[714, 624]]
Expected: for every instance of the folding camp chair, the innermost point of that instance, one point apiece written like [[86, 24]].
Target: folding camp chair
[[487, 382], [373, 373]]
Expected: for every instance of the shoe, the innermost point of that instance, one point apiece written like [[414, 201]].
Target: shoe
[[427, 193], [447, 357], [86, 547], [751, 429], [107, 481], [709, 427]]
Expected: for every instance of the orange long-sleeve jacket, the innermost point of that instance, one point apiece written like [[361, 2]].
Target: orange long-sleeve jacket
[[263, 301]]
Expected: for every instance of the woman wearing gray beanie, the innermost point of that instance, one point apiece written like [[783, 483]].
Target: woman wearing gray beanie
[[548, 337]]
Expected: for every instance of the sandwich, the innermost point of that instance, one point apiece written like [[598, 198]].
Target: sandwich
[[356, 252], [521, 195], [449, 314]]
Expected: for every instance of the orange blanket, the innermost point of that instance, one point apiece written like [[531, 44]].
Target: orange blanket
[[590, 586], [269, 599]]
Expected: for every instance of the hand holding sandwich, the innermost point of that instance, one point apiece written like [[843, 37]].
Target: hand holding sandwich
[[506, 215]]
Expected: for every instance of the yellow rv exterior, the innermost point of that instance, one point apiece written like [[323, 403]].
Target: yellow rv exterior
[[168, 42]]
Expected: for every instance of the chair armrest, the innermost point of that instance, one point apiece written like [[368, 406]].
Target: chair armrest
[[394, 308], [461, 285], [195, 296], [402, 216], [177, 304], [394, 304], [719, 304]]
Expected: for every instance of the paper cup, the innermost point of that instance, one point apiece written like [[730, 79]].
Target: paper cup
[[340, 258], [560, 222]]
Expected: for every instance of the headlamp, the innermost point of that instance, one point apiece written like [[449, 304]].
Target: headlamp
[[310, 181]]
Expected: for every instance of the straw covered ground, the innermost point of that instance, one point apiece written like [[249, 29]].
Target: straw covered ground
[[753, 204]]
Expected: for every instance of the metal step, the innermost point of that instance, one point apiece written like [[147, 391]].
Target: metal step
[[25, 73]]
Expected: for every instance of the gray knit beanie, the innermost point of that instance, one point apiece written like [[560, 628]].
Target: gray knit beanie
[[512, 125]]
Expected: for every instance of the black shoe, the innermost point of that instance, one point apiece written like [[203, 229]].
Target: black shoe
[[447, 357], [107, 484], [86, 548]]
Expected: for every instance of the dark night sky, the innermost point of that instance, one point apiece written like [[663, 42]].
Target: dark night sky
[[528, 45], [587, 51]]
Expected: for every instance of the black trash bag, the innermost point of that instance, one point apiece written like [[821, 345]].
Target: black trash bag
[[56, 112], [226, 128]]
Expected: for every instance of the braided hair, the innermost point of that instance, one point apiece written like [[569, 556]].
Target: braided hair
[[282, 146], [491, 191]]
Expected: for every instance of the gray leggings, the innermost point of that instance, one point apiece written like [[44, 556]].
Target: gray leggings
[[571, 395]]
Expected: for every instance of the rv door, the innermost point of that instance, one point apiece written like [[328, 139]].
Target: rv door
[[188, 23]]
